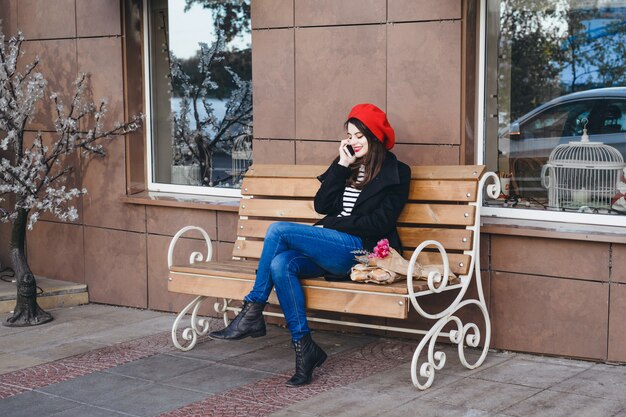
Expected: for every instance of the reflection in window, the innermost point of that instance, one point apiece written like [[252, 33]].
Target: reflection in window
[[555, 68], [201, 91]]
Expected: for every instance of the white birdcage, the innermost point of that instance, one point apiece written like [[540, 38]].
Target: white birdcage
[[582, 173]]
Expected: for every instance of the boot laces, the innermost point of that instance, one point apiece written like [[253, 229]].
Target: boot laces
[[299, 356]]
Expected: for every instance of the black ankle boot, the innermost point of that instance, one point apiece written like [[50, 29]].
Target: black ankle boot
[[249, 322], [308, 356]]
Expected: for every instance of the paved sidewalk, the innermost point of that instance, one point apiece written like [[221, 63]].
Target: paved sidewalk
[[100, 360]]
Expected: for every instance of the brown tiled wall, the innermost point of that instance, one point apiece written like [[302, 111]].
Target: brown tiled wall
[[558, 297], [314, 59]]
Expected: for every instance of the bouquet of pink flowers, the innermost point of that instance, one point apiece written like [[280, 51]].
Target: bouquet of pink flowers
[[382, 266], [381, 250]]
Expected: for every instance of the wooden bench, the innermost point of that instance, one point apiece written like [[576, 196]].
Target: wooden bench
[[439, 225]]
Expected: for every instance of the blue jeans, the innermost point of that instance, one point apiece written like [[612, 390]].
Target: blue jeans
[[293, 251]]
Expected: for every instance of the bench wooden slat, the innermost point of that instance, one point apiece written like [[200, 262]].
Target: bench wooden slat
[[318, 297], [459, 263], [288, 209], [256, 228], [438, 190], [215, 268], [446, 214], [440, 172], [448, 172], [439, 214], [451, 239], [427, 190]]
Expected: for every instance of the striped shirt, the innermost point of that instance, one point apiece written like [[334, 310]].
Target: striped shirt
[[350, 195]]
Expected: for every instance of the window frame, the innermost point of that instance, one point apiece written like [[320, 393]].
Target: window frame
[[518, 215], [148, 126]]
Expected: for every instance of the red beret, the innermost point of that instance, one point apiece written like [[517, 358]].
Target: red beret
[[376, 121]]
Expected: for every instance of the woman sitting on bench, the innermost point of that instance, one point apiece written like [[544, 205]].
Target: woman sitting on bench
[[362, 194]]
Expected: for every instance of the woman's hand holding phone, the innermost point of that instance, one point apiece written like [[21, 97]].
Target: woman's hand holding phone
[[346, 154]]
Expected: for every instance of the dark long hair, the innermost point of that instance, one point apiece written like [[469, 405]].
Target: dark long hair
[[373, 159]]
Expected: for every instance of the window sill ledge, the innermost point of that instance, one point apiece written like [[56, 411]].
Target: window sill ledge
[[189, 201], [552, 230]]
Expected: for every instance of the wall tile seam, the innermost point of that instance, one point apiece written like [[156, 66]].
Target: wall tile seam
[[76, 24], [333, 140], [76, 38], [261, 29], [387, 23], [332, 25], [115, 229], [200, 239], [55, 221], [599, 281], [608, 309], [611, 261]]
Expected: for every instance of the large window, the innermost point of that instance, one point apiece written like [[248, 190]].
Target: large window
[[200, 94], [555, 75]]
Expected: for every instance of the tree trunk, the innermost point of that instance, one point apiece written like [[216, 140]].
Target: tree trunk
[[26, 312]]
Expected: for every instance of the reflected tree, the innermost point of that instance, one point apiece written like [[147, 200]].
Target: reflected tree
[[197, 133], [233, 15], [556, 48], [533, 43]]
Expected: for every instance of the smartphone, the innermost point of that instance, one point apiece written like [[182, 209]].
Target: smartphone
[[350, 150]]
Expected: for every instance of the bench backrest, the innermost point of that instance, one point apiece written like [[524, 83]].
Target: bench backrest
[[442, 207]]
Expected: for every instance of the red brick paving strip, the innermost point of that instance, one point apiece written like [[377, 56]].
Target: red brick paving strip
[[39, 376], [268, 395]]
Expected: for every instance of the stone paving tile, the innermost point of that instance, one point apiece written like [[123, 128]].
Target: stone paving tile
[[556, 404], [274, 359], [217, 350], [289, 412], [398, 380], [480, 395], [10, 362], [158, 368], [31, 404], [347, 403], [149, 400], [88, 411], [621, 413], [453, 363], [98, 388], [529, 373], [420, 407], [602, 381], [334, 343], [131, 331], [60, 349], [28, 339], [215, 378], [555, 360]]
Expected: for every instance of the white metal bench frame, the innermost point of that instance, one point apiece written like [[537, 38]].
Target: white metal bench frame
[[467, 333]]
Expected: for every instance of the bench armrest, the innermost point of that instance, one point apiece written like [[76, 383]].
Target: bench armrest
[[195, 256]]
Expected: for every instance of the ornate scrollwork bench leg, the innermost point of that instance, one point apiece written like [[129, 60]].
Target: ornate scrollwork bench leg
[[461, 334], [199, 326]]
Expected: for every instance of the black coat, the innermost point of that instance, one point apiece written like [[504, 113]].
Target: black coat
[[377, 208]]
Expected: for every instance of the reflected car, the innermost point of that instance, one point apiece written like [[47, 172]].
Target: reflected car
[[526, 144]]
